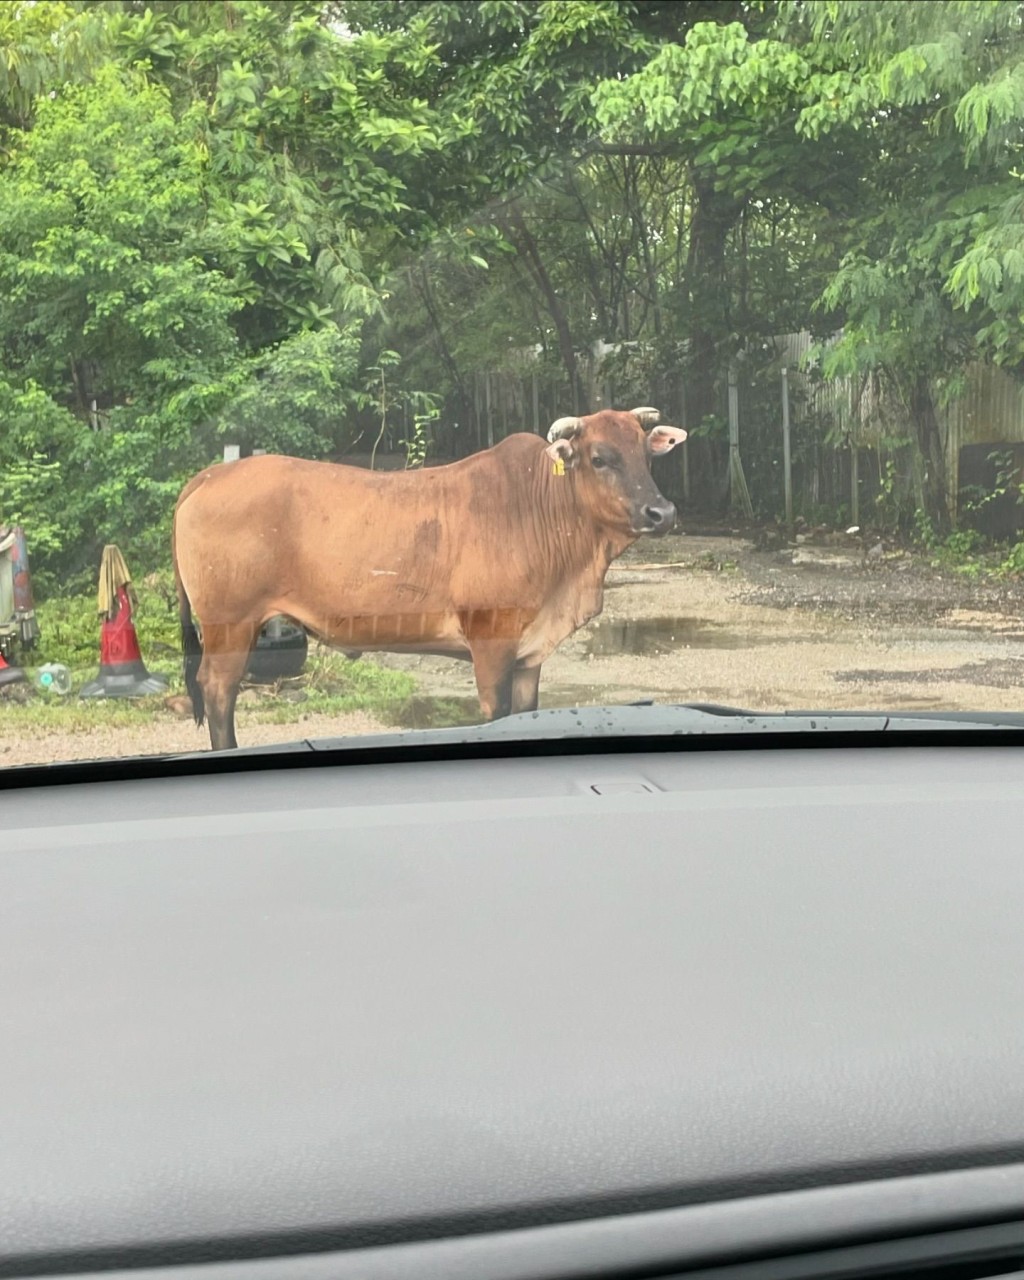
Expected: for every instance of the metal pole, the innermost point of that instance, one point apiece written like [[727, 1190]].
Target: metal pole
[[490, 421], [536, 405], [787, 458], [684, 451], [734, 433], [854, 484], [739, 494], [734, 410]]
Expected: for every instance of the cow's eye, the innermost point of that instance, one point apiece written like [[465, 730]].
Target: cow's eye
[[599, 462]]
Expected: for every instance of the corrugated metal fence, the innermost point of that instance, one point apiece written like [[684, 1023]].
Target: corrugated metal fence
[[985, 408], [852, 437]]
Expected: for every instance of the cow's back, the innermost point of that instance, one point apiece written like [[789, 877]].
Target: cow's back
[[277, 534]]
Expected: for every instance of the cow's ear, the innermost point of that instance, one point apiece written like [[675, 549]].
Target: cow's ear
[[664, 439], [562, 451]]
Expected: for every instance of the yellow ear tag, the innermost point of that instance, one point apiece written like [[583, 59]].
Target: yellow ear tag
[[559, 468]]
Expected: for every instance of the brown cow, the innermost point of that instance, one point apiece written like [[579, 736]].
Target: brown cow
[[498, 558]]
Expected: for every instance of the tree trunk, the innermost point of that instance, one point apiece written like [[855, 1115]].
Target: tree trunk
[[933, 459], [524, 242], [423, 286], [713, 217]]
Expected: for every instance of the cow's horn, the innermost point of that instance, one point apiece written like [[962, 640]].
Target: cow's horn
[[648, 417], [562, 428]]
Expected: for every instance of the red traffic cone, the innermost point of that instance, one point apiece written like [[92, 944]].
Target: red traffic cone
[[9, 674], [122, 672]]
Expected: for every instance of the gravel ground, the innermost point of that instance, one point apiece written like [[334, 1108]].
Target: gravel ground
[[170, 735], [711, 618]]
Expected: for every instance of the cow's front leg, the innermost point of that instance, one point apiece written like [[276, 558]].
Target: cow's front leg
[[494, 665], [525, 685]]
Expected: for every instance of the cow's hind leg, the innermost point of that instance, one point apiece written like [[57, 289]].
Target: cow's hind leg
[[525, 686], [226, 649]]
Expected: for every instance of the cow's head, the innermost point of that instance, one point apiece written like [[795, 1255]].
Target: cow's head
[[609, 454]]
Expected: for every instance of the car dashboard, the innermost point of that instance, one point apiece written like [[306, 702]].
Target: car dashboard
[[652, 1012]]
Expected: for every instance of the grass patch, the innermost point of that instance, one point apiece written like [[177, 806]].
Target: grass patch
[[975, 559], [331, 685], [70, 633], [968, 554], [50, 713], [708, 562]]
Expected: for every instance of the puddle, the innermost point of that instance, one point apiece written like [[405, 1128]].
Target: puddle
[[436, 713], [649, 636], [995, 674], [587, 695]]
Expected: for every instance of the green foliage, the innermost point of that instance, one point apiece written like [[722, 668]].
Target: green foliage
[[1012, 565], [964, 551], [418, 443], [947, 78], [188, 196], [336, 683], [1008, 484], [30, 495], [43, 46], [300, 397], [102, 255], [964, 542], [302, 225], [70, 628]]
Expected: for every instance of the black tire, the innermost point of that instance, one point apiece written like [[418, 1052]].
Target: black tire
[[278, 657]]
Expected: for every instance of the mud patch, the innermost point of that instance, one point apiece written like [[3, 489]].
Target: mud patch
[[436, 713], [1004, 625], [649, 637], [999, 673]]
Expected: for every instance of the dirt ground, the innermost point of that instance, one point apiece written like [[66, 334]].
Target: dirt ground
[[709, 617], [172, 735], [704, 618]]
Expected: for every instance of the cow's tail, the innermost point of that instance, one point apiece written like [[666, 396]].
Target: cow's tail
[[191, 648]]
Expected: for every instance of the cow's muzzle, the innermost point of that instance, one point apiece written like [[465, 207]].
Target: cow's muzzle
[[656, 518]]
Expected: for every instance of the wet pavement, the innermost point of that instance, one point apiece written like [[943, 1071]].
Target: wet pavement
[[709, 618], [649, 636], [713, 619]]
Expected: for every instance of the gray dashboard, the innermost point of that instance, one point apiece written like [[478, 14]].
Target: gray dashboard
[[350, 1012]]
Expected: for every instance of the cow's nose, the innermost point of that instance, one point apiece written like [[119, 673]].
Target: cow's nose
[[660, 516]]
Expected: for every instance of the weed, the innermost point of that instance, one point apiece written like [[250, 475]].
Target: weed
[[70, 633], [708, 562], [1012, 565]]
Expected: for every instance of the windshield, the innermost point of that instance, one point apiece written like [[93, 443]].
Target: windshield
[[410, 364]]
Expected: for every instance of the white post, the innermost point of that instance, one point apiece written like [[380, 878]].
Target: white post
[[683, 449], [787, 459], [738, 492], [854, 484], [734, 434]]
